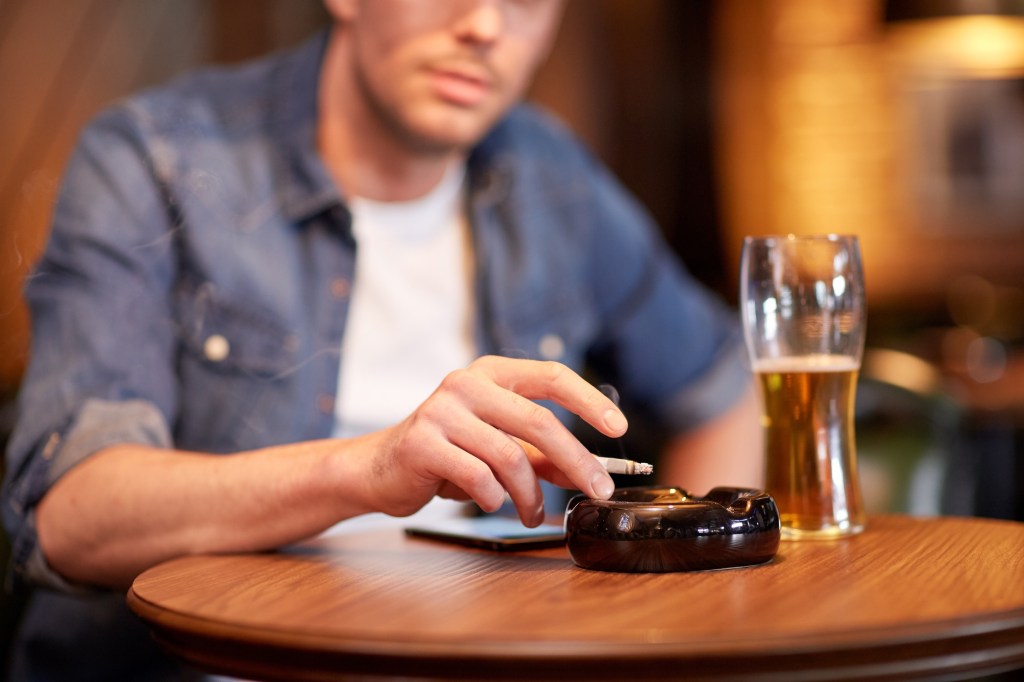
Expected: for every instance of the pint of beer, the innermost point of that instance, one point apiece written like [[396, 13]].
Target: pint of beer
[[802, 304]]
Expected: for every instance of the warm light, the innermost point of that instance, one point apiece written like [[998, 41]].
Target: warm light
[[974, 46]]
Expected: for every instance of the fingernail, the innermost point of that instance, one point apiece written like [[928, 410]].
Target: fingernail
[[538, 516], [615, 421], [602, 485]]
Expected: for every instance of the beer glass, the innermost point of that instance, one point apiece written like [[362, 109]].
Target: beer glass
[[802, 306]]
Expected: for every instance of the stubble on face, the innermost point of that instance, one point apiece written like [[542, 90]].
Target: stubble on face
[[437, 108], [437, 86]]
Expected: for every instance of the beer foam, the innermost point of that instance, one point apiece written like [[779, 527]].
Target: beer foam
[[817, 362]]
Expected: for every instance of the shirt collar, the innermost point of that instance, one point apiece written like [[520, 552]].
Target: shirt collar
[[307, 188], [306, 185]]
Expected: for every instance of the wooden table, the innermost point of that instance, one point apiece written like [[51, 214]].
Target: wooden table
[[907, 598]]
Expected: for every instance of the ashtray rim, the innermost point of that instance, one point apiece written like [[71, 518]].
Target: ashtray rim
[[740, 495], [688, 541]]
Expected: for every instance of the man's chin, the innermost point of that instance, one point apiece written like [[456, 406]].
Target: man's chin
[[450, 132]]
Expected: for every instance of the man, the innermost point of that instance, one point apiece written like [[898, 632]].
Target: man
[[288, 263]]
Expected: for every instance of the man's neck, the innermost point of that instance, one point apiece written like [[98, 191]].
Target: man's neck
[[368, 170]]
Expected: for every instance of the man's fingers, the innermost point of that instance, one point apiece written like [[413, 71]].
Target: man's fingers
[[450, 491], [484, 414], [464, 474], [509, 462], [546, 380], [545, 468], [509, 412]]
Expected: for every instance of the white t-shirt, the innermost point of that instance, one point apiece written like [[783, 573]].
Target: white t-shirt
[[410, 319]]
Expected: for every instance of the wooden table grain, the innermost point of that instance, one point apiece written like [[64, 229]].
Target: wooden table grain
[[908, 598]]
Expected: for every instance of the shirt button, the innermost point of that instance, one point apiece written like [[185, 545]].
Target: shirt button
[[51, 445], [216, 348], [291, 343], [339, 287], [325, 403], [551, 347]]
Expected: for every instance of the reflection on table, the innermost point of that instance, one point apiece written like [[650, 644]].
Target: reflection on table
[[906, 598]]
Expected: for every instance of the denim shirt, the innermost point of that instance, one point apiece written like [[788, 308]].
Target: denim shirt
[[194, 290]]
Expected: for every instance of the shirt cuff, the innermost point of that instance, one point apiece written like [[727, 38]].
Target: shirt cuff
[[99, 424], [38, 571]]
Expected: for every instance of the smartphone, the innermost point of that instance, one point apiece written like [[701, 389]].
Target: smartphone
[[498, 533]]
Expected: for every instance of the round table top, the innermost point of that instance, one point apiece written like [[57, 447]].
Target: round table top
[[907, 597]]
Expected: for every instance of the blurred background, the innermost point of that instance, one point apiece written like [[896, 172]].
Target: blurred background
[[901, 121]]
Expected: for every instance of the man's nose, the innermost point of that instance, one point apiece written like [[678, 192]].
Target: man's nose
[[480, 21]]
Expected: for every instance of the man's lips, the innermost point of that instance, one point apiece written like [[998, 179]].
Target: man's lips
[[462, 86]]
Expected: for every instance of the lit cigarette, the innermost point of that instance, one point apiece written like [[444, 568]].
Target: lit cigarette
[[625, 466]]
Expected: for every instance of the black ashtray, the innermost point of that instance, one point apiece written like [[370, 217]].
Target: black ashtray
[[656, 530]]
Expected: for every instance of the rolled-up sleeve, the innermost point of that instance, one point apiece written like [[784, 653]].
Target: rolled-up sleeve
[[575, 258], [674, 346], [98, 425], [103, 338]]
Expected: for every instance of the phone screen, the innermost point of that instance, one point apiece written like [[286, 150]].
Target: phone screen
[[498, 533]]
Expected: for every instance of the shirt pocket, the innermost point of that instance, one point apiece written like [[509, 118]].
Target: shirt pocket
[[233, 335], [236, 368]]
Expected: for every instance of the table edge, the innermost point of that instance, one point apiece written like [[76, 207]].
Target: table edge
[[991, 644]]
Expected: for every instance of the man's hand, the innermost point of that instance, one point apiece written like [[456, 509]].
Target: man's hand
[[481, 434], [477, 436]]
